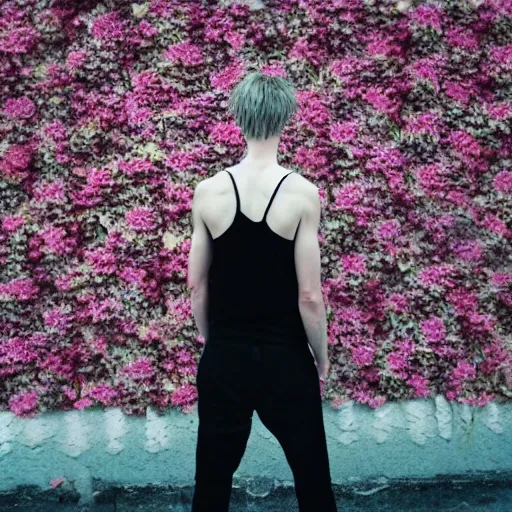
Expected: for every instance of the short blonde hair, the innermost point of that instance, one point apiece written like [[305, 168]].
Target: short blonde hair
[[262, 105]]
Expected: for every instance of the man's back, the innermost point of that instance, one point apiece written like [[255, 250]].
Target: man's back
[[254, 219], [255, 188]]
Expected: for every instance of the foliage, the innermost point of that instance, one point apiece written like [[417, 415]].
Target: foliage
[[112, 113]]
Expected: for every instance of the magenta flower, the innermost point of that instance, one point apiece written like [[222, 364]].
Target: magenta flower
[[433, 329], [389, 229], [503, 181], [185, 52], [468, 250], [19, 108], [228, 77], [11, 223], [141, 219], [109, 27], [24, 404], [184, 397], [343, 132], [141, 369], [83, 403], [354, 263], [419, 385], [363, 355]]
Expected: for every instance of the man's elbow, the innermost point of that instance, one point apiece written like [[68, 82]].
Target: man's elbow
[[198, 287]]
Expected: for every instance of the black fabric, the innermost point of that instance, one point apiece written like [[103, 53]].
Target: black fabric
[[281, 383], [252, 286], [257, 358]]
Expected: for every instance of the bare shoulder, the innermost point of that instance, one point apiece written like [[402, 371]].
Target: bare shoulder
[[305, 187], [211, 183]]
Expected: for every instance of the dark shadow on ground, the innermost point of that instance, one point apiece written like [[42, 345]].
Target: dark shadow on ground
[[443, 496]]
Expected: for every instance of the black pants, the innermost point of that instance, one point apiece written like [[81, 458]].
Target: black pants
[[281, 383]]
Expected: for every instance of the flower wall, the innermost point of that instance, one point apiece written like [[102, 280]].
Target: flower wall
[[112, 112]]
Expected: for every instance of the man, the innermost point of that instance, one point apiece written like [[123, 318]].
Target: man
[[254, 272]]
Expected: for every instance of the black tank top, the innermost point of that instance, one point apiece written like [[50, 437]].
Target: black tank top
[[253, 288]]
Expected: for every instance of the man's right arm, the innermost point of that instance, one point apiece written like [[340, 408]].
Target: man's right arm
[[307, 264]]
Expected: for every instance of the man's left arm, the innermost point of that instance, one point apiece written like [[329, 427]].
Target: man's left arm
[[199, 263]]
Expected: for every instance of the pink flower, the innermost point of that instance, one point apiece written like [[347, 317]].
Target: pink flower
[[502, 54], [429, 68], [343, 132], [463, 300], [102, 260], [389, 229], [100, 177], [147, 30], [57, 481], [133, 275], [377, 401], [494, 224], [56, 241], [463, 371], [24, 403], [481, 323], [457, 91], [499, 110], [433, 329], [468, 250], [83, 403], [380, 100], [349, 195], [420, 385], [22, 289], [76, 59], [103, 394], [501, 279], [398, 302], [19, 108], [58, 319], [274, 69], [423, 123], [457, 36], [229, 76], [189, 54], [136, 165], [437, 275], [428, 15], [227, 133], [139, 370], [354, 263], [503, 181], [184, 396], [17, 350], [396, 361], [53, 192], [16, 161], [363, 355], [179, 199], [142, 219], [431, 178], [235, 39], [109, 27], [11, 223], [18, 39]]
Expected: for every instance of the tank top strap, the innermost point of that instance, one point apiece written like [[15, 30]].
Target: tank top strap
[[274, 194], [236, 192]]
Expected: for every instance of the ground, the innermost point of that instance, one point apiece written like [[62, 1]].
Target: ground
[[484, 496]]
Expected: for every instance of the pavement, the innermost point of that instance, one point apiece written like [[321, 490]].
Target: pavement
[[449, 496]]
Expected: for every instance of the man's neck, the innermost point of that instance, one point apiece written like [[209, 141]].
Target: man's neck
[[261, 153]]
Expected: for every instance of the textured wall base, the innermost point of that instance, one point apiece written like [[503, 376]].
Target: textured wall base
[[422, 439]]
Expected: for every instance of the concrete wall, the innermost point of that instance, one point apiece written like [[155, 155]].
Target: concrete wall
[[414, 439]]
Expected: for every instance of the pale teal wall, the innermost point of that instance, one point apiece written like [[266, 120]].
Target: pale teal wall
[[420, 438]]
